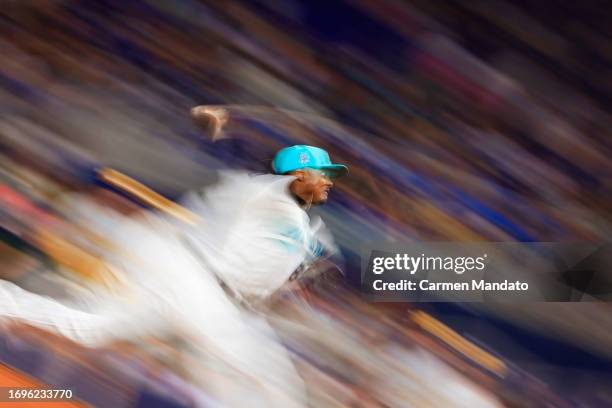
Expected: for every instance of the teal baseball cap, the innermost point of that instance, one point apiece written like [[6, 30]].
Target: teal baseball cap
[[301, 157]]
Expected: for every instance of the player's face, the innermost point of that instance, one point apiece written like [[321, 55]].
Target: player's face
[[312, 186], [321, 186]]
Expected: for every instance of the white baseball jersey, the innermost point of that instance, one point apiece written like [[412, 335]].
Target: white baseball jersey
[[252, 237]]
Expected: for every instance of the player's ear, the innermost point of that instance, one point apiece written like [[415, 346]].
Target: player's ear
[[299, 174]]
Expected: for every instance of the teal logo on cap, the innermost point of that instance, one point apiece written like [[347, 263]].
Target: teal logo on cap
[[304, 159]]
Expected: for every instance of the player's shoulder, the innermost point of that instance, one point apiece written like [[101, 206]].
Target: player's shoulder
[[237, 191]]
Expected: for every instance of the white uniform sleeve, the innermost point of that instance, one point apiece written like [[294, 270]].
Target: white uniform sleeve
[[253, 234]]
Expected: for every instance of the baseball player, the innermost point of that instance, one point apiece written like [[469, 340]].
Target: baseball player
[[204, 280]]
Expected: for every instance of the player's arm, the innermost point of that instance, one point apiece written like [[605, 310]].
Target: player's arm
[[211, 120]]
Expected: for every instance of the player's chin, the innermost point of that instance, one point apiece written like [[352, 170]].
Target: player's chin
[[320, 198]]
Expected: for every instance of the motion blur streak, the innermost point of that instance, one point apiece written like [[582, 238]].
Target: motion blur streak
[[433, 326]]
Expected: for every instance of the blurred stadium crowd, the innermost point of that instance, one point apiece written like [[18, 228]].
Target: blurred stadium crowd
[[461, 121]]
